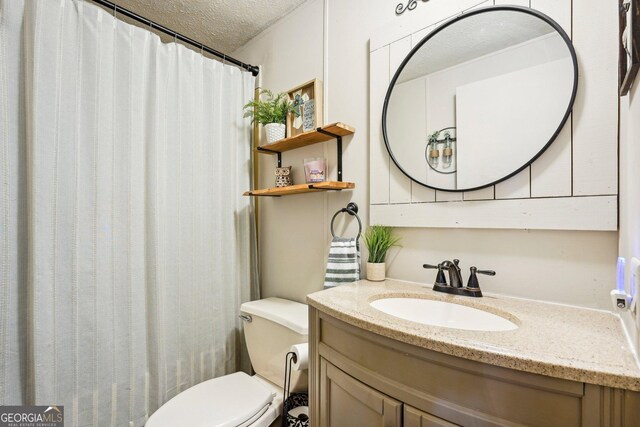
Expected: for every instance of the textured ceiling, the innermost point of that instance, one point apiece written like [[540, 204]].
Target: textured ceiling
[[224, 25], [473, 37]]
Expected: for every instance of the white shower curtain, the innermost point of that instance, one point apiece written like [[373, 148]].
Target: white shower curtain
[[126, 246]]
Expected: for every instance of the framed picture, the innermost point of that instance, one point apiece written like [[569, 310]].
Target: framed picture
[[629, 43], [307, 103]]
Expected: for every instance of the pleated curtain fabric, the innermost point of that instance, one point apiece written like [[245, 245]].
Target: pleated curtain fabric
[[126, 245]]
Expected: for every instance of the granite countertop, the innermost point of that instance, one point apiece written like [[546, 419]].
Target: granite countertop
[[556, 340]]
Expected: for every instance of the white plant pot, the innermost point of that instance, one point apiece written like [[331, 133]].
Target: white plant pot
[[376, 271], [275, 132]]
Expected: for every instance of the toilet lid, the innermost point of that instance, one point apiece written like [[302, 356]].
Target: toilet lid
[[228, 401]]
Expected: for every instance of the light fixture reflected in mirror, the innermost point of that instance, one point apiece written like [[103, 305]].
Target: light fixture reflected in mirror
[[440, 150], [447, 151], [433, 156]]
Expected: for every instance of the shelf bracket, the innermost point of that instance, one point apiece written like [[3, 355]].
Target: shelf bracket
[[266, 150], [338, 139]]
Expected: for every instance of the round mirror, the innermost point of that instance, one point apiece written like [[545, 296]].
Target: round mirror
[[480, 98]]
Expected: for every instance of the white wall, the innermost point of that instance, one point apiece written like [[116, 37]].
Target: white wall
[[563, 266], [630, 188], [292, 230]]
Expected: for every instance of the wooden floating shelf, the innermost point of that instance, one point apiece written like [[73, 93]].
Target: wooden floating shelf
[[325, 133], [302, 188], [322, 134]]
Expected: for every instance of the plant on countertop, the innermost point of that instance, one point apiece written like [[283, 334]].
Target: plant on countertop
[[273, 109], [379, 239]]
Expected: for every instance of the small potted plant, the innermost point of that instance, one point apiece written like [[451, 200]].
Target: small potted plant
[[379, 239], [271, 113]]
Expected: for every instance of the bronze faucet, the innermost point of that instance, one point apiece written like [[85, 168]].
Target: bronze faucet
[[455, 275], [455, 279]]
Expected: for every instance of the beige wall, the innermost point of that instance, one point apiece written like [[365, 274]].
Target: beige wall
[[630, 188], [569, 267]]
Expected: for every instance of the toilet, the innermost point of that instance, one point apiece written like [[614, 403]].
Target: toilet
[[271, 327]]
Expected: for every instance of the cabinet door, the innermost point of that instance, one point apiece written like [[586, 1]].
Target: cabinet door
[[416, 418], [346, 402]]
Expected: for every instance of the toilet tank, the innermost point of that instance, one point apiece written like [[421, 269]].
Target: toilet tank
[[276, 324]]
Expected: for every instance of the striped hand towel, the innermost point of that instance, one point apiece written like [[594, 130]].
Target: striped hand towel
[[343, 265]]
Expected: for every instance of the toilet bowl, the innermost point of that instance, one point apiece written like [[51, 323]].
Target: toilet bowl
[[271, 327]]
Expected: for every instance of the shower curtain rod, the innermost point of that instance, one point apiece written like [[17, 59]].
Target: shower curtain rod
[[117, 9]]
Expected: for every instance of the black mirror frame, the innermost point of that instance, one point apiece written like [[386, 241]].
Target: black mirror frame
[[465, 15]]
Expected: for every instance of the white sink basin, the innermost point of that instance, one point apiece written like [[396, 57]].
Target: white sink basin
[[440, 313]]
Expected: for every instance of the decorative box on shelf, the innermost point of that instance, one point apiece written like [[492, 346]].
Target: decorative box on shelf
[[307, 103]]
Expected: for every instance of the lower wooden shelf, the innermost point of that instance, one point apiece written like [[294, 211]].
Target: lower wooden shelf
[[302, 188]]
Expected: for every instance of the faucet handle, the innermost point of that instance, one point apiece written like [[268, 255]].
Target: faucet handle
[[473, 278], [440, 278]]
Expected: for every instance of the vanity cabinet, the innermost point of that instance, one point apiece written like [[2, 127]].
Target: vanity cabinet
[[359, 378], [346, 401], [416, 418]]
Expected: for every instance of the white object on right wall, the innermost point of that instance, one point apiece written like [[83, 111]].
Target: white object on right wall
[[635, 289]]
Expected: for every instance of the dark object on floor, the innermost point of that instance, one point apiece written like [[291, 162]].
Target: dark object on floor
[[296, 400]]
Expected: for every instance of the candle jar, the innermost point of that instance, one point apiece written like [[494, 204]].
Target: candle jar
[[315, 169]]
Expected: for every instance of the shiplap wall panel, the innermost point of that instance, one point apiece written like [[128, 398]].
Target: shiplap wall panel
[[482, 194], [516, 187], [399, 184], [551, 172], [378, 155], [540, 196], [448, 196], [558, 10], [562, 213], [485, 193], [430, 13], [420, 193], [524, 3], [595, 113]]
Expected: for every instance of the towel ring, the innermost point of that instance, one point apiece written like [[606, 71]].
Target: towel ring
[[351, 209]]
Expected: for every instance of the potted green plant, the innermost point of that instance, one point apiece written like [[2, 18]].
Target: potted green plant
[[271, 113], [379, 239]]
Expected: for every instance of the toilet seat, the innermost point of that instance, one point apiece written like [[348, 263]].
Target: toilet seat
[[235, 400]]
